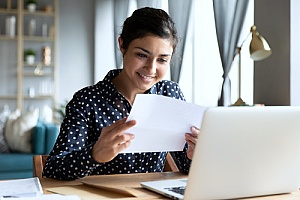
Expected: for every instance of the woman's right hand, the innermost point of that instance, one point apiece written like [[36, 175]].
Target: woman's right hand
[[112, 141]]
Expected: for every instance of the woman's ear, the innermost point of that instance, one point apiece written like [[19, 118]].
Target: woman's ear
[[120, 40]]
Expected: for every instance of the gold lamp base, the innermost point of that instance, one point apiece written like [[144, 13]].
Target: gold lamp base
[[240, 102]]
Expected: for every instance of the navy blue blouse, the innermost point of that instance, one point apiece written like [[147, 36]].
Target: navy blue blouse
[[91, 109]]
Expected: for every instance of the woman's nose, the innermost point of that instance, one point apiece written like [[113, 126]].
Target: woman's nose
[[151, 66]]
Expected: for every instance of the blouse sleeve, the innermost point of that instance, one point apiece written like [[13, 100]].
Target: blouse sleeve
[[71, 155]]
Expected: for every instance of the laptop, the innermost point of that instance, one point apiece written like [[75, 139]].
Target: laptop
[[241, 152]]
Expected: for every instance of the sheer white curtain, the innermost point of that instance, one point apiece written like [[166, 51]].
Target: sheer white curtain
[[104, 39], [229, 18], [120, 14], [201, 66]]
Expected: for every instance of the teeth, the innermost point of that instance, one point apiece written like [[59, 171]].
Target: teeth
[[147, 77]]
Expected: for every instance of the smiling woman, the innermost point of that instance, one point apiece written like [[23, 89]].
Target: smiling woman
[[92, 133]]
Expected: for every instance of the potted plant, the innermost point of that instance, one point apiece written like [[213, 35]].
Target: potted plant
[[29, 55], [31, 5], [61, 111]]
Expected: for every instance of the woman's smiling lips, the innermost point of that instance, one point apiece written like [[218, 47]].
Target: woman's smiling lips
[[145, 77]]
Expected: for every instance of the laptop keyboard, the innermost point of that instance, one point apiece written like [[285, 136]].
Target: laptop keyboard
[[179, 190]]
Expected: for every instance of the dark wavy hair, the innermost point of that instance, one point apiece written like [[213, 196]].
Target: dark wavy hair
[[149, 21]]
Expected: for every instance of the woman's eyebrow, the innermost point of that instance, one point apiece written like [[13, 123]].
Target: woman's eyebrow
[[149, 52]]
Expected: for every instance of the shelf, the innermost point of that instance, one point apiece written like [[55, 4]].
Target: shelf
[[28, 74], [8, 11], [22, 76], [44, 97], [38, 38], [4, 37], [39, 13], [38, 63], [10, 97]]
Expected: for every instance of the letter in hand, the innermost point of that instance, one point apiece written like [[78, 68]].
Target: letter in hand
[[112, 141]]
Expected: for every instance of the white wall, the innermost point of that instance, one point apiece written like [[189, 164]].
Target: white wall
[[75, 47]]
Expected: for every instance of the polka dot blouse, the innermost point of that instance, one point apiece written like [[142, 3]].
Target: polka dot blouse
[[91, 109]]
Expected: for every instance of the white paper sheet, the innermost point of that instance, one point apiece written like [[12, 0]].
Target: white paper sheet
[[21, 187], [46, 197], [161, 123]]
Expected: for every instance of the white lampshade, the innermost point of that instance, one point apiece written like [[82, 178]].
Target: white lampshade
[[259, 47]]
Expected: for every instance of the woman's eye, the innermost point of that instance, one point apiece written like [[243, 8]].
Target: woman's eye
[[162, 60], [141, 55]]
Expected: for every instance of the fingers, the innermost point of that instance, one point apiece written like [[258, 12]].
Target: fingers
[[117, 129], [125, 144], [195, 131], [120, 126], [123, 138], [192, 138], [112, 140]]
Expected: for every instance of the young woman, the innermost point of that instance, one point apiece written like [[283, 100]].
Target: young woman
[[91, 136]]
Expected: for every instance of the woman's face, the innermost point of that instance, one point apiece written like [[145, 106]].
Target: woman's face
[[146, 61]]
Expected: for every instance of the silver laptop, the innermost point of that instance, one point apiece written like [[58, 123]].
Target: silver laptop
[[241, 152]]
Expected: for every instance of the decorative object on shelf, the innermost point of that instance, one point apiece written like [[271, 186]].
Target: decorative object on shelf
[[31, 5], [38, 70], [259, 49], [8, 4], [29, 55], [46, 52], [10, 26], [32, 27], [52, 32], [48, 8], [45, 30], [46, 88], [31, 92]]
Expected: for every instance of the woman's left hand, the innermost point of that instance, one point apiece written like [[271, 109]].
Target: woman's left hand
[[191, 139]]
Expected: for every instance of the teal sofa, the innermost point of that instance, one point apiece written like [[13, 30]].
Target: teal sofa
[[15, 165]]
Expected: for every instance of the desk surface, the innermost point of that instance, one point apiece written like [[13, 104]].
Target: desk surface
[[124, 186]]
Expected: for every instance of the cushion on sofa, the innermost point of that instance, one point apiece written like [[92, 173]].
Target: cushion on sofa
[[18, 131], [3, 118]]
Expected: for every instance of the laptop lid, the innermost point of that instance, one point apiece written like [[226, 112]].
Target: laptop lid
[[244, 152]]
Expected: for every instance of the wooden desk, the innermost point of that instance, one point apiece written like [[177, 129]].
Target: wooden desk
[[125, 186]]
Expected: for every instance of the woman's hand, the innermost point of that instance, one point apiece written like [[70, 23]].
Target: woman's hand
[[112, 140], [191, 139]]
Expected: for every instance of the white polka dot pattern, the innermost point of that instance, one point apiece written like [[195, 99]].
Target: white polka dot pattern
[[91, 109]]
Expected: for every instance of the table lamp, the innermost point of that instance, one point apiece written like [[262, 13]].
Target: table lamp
[[259, 49]]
